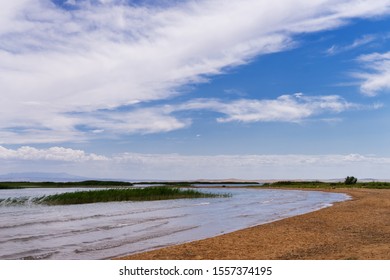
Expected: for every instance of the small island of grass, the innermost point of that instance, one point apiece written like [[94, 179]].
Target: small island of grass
[[110, 195]]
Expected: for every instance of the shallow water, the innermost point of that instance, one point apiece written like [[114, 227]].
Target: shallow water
[[106, 230]]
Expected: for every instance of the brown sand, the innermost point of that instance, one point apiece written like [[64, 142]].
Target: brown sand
[[354, 229]]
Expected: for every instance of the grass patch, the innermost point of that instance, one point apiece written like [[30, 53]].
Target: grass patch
[[326, 185], [98, 183], [191, 183], [109, 195], [374, 185], [88, 183]]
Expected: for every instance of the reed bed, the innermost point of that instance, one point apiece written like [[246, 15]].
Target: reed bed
[[138, 194]]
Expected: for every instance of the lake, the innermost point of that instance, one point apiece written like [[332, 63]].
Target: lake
[[106, 230]]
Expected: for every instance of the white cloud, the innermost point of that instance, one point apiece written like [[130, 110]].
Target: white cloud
[[54, 62], [49, 154], [162, 118], [146, 120], [70, 2], [377, 78], [176, 166], [364, 40], [286, 108], [35, 136]]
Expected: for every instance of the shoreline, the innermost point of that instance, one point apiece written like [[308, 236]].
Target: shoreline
[[358, 228]]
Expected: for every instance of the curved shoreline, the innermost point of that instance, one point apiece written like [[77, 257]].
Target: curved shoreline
[[354, 229]]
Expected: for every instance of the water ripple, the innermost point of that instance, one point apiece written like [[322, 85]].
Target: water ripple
[[103, 230]]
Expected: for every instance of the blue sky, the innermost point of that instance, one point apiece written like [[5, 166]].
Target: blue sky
[[196, 89]]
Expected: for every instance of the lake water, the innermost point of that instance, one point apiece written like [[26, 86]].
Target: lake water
[[106, 230]]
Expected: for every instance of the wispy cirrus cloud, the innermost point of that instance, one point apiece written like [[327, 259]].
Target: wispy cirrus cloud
[[362, 41], [144, 121], [59, 68], [293, 108], [286, 108], [377, 77]]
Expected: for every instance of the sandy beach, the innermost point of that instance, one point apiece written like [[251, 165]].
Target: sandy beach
[[354, 229]]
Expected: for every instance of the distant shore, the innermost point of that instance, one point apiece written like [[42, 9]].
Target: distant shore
[[354, 229]]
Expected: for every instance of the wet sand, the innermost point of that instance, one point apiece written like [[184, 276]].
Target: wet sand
[[354, 229]]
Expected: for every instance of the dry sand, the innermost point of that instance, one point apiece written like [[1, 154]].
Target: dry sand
[[354, 229]]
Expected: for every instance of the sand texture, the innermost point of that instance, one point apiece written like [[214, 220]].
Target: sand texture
[[354, 229]]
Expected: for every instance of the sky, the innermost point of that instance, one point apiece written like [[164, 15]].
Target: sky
[[196, 89]]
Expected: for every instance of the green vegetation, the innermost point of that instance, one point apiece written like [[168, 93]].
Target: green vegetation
[[190, 183], [108, 195], [350, 180], [14, 201], [299, 184], [97, 183], [89, 183], [327, 185], [374, 185], [8, 187]]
